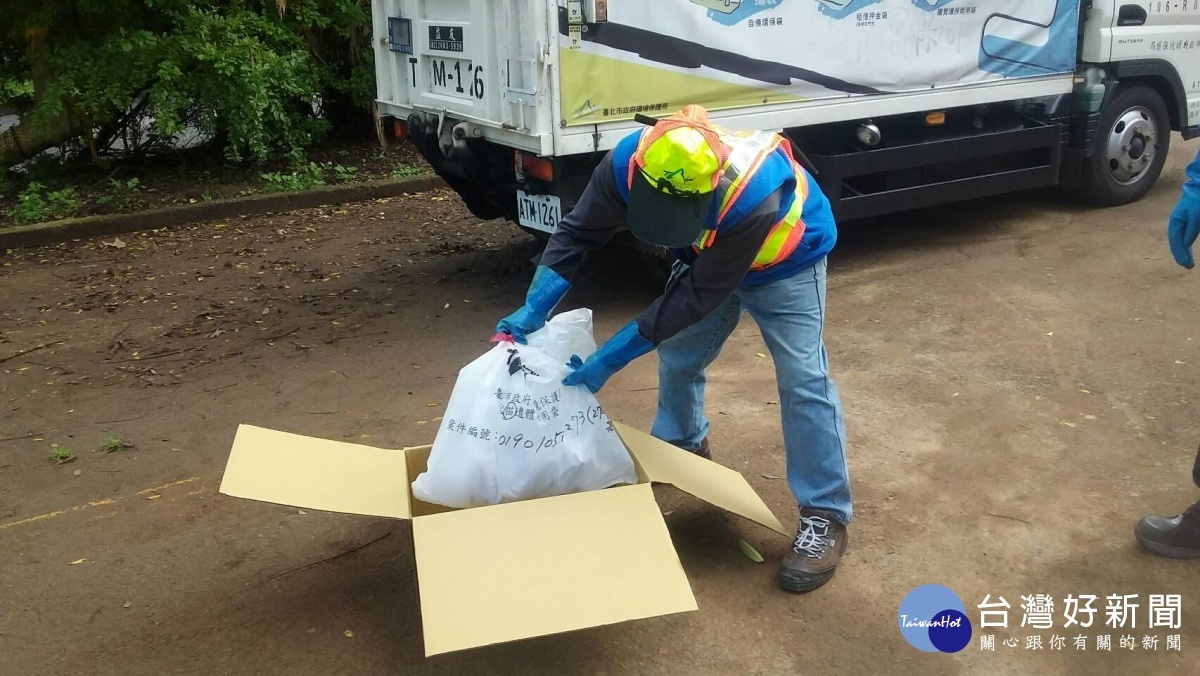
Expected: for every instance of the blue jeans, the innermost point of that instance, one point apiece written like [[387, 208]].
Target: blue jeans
[[791, 313]]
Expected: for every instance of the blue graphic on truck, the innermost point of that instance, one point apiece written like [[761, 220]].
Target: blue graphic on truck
[[931, 5], [732, 12], [1055, 52], [840, 9]]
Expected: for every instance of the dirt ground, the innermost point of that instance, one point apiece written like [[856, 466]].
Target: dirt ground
[[1018, 375]]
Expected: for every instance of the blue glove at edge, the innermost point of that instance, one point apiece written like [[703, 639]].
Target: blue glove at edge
[[625, 346], [1184, 225], [545, 291]]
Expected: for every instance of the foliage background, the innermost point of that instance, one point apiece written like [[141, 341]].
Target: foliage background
[[254, 77]]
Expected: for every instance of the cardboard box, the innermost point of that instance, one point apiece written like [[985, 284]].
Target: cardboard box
[[511, 571]]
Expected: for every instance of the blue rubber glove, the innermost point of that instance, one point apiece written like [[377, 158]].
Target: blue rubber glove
[[625, 346], [545, 291], [1185, 220]]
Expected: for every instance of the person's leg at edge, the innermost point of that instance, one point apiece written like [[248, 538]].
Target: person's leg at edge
[[683, 361], [1177, 537], [791, 314]]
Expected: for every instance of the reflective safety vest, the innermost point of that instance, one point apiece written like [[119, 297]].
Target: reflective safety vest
[[744, 169]]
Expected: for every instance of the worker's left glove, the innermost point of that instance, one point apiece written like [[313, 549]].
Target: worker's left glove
[[1185, 219], [625, 346], [545, 292]]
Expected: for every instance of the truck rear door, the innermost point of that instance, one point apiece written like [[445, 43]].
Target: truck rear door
[[479, 61]]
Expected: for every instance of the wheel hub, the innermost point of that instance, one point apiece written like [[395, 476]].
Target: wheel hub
[[1130, 147]]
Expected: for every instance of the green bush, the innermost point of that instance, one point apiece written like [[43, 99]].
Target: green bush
[[121, 194], [36, 205], [304, 177], [406, 170], [344, 174]]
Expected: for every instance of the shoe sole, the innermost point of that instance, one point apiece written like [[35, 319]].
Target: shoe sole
[[1169, 551], [809, 583]]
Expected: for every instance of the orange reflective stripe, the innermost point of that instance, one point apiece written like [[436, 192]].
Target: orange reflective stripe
[[742, 181], [801, 183], [801, 176], [785, 236], [704, 240], [643, 143], [774, 243], [788, 247], [788, 233], [749, 153]]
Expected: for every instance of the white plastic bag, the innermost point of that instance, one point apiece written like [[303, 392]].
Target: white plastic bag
[[513, 431]]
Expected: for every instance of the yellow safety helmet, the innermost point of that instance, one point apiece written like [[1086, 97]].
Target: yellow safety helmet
[[679, 164]]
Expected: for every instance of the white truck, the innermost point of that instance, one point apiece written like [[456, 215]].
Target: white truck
[[893, 104]]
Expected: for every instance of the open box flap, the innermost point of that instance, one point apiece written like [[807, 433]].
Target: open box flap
[[334, 476], [702, 478], [522, 569]]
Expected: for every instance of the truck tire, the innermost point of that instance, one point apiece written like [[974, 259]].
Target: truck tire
[[1131, 145]]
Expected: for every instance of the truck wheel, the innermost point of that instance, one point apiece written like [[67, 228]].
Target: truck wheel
[[1131, 146]]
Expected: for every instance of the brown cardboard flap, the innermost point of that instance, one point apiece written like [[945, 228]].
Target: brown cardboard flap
[[702, 478], [334, 476], [522, 569]]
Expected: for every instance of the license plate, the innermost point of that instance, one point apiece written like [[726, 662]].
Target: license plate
[[456, 77], [540, 212]]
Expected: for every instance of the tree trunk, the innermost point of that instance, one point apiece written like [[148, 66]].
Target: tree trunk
[[32, 135], [380, 133], [26, 139]]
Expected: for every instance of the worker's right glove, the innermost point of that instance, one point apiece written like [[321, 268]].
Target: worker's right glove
[[614, 355], [1185, 220], [545, 291]]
